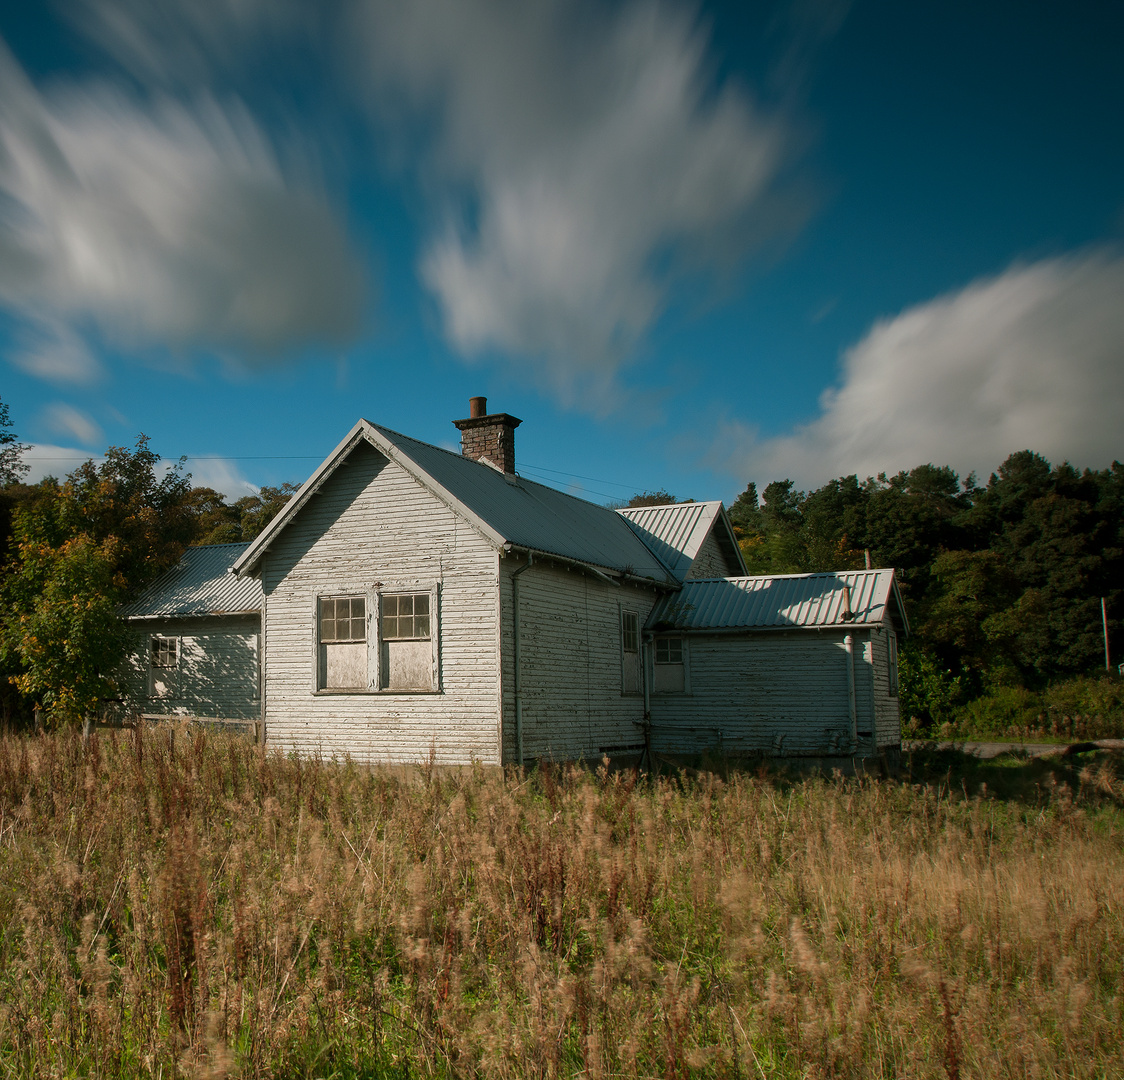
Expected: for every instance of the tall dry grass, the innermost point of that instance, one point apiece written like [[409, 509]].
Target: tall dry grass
[[177, 903]]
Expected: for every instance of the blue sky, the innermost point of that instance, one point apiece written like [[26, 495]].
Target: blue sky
[[690, 246]]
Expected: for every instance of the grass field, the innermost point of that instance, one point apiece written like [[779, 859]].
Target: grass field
[[174, 903]]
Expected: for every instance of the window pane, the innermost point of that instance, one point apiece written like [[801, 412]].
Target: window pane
[[405, 617], [669, 651], [342, 618], [630, 632]]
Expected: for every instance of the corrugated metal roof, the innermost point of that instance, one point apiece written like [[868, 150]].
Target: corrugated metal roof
[[675, 532], [800, 600], [201, 583], [531, 515], [508, 510]]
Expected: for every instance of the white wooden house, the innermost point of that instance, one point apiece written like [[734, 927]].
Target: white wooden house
[[198, 632], [416, 601]]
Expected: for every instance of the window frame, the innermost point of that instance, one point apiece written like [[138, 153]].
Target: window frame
[[373, 595], [684, 663], [634, 656], [153, 667], [892, 682]]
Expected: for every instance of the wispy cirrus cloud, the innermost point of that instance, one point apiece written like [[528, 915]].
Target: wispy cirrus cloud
[[1026, 359], [159, 223], [62, 419]]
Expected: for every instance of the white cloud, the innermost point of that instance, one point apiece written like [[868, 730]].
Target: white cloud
[[1030, 359], [47, 347], [45, 459], [595, 161], [63, 419], [159, 224], [221, 474]]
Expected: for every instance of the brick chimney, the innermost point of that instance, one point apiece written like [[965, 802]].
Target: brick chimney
[[488, 436]]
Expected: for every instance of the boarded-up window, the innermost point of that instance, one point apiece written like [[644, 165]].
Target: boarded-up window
[[163, 666], [630, 652], [407, 644], [670, 674], [343, 643]]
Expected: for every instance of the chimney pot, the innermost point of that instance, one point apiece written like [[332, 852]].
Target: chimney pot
[[477, 406]]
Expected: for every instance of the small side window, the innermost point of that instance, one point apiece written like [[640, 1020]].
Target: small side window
[[163, 665], [893, 662], [630, 652], [670, 674]]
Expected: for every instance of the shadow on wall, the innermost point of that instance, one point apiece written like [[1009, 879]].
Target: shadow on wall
[[176, 671]]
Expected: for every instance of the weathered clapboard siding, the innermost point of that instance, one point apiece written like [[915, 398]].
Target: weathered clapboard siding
[[217, 676], [760, 692], [373, 525], [570, 658], [710, 562], [887, 711]]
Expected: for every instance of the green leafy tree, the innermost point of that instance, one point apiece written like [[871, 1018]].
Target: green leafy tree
[[81, 548], [12, 468]]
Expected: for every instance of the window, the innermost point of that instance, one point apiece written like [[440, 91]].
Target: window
[[343, 643], [630, 652], [670, 668], [893, 661], [163, 664], [407, 658], [397, 650]]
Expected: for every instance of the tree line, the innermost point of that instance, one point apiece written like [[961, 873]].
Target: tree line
[[1002, 581]]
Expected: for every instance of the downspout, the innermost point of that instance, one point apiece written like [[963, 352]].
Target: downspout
[[646, 723], [518, 665], [849, 645]]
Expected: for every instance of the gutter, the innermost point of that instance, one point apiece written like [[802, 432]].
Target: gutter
[[607, 573]]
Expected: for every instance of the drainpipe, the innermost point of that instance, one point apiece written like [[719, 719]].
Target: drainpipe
[[646, 724], [518, 664], [849, 644]]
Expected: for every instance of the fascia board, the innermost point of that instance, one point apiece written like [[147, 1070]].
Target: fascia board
[[249, 558], [729, 528], [901, 604]]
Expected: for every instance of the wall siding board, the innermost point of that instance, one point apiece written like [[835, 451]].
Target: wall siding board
[[888, 725], [217, 676], [373, 523], [768, 693], [710, 562], [573, 704]]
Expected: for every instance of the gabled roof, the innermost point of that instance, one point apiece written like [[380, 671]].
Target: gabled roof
[[201, 583], [676, 532], [846, 598], [509, 511]]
